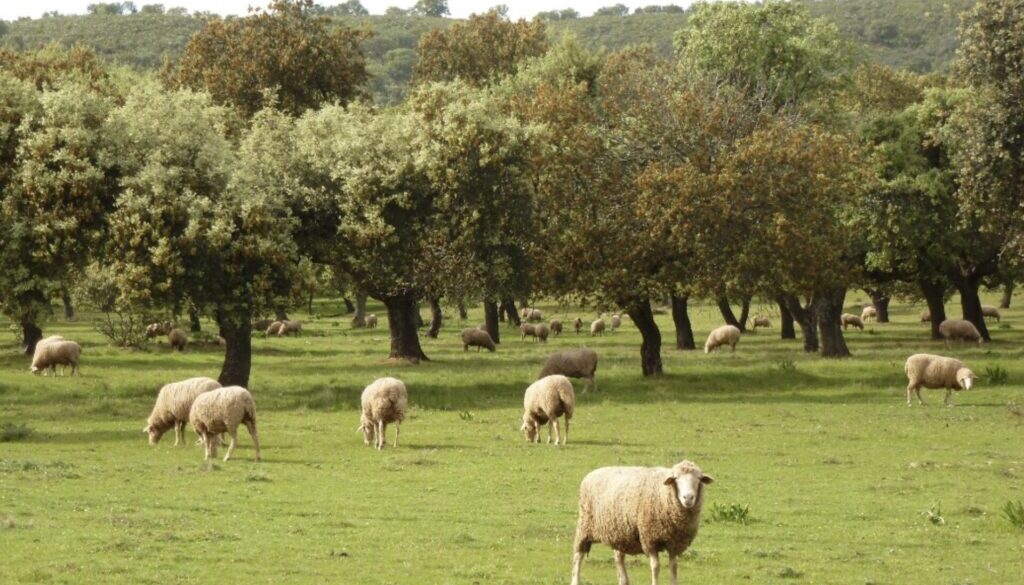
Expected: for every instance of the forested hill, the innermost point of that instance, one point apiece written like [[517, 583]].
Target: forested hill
[[914, 34]]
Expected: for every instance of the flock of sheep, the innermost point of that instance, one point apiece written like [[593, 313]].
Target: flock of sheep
[[633, 510]]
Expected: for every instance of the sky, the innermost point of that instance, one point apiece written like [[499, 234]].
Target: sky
[[12, 9]]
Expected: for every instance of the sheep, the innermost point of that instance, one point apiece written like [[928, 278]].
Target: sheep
[[55, 351], [220, 341], [157, 329], [990, 311], [290, 327], [262, 324], [934, 371], [869, 312], [542, 333], [371, 321], [574, 363], [616, 321], [538, 332], [954, 329], [761, 322], [556, 327], [274, 328], [221, 411], [577, 324], [173, 404], [177, 338], [926, 316], [544, 401], [384, 401], [477, 338], [724, 335], [597, 328], [640, 510], [534, 316], [847, 319]]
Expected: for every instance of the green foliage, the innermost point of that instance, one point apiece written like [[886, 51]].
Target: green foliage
[[14, 432], [737, 513], [432, 8], [996, 376], [1014, 514], [614, 10]]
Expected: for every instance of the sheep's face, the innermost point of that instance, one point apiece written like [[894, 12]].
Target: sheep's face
[[966, 378], [529, 428], [367, 428], [34, 370], [689, 480], [154, 434]]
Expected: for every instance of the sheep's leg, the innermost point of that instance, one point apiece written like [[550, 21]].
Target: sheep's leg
[[554, 423], [551, 423], [620, 567], [918, 392], [910, 394], [565, 438], [655, 567], [577, 564], [381, 439], [673, 567], [398, 431], [179, 432], [251, 426], [231, 446], [949, 396]]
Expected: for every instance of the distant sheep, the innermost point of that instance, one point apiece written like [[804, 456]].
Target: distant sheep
[[546, 400], [533, 315], [848, 319], [639, 510], [221, 411], [290, 328], [934, 371], [371, 321], [577, 324], [869, 312], [275, 328], [616, 321], [959, 329], [262, 324], [55, 351], [172, 408], [556, 327], [724, 335], [384, 401], [573, 363], [990, 311], [538, 332], [926, 316], [761, 322], [597, 328], [158, 329], [178, 339], [477, 338]]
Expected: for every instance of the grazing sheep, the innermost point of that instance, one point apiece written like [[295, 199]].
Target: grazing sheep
[[476, 338], [869, 312], [55, 351], [262, 324], [173, 404], [221, 411], [959, 329], [535, 316], [275, 328], [990, 311], [850, 319], [157, 329], [290, 327], [371, 321], [178, 339], [761, 322], [926, 316], [546, 400], [537, 332], [577, 325], [556, 327], [384, 401], [640, 510], [616, 321], [724, 335], [597, 328], [542, 333], [220, 341], [574, 363], [935, 371]]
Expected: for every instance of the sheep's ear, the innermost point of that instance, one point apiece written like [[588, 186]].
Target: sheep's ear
[[707, 479], [146, 430], [670, 480]]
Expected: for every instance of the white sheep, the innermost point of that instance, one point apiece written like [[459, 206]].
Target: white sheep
[[55, 351], [847, 319], [597, 328], [290, 327], [724, 335], [935, 371], [371, 321], [177, 338], [534, 316], [573, 363], [157, 329], [173, 405], [475, 337], [544, 401], [761, 322], [959, 329], [538, 332], [221, 411], [990, 311], [640, 510], [556, 327], [926, 316], [869, 312], [274, 328], [616, 321], [384, 401]]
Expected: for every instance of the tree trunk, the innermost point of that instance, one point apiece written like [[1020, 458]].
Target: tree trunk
[[508, 307], [880, 301], [934, 295], [463, 314], [684, 331], [359, 319], [309, 303], [193, 319], [727, 314], [1004, 303], [807, 320], [30, 335], [786, 329], [650, 349], [435, 318], [69, 309], [349, 307], [405, 339], [744, 313], [237, 334], [828, 308], [491, 320], [970, 302], [418, 316]]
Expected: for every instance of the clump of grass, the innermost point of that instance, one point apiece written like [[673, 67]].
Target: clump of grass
[[1014, 514], [14, 432], [257, 475], [790, 573], [466, 415], [787, 365], [934, 515], [738, 513], [1005, 326], [996, 376], [1016, 411]]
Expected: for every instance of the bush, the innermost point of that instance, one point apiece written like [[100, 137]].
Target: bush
[[1014, 513], [122, 327], [738, 513], [996, 376]]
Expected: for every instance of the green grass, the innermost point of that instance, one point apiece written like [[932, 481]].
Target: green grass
[[841, 481]]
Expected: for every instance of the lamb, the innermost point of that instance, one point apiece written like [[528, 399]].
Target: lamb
[[577, 324], [290, 327], [934, 371], [275, 328], [371, 321], [573, 363], [556, 327], [848, 319], [177, 338], [546, 400], [990, 311], [616, 321], [55, 351], [954, 329], [384, 401], [869, 312], [640, 510], [597, 328], [221, 411], [477, 338], [761, 322], [537, 332], [724, 335], [173, 404]]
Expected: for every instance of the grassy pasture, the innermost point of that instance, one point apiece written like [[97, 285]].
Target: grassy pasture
[[843, 482]]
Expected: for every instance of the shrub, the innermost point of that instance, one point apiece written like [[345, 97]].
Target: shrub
[[14, 432], [738, 513], [1014, 513], [996, 376]]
